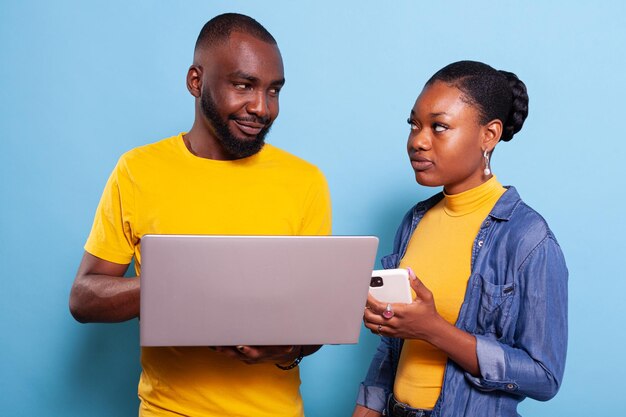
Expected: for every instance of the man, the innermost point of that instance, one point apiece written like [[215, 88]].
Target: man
[[219, 178]]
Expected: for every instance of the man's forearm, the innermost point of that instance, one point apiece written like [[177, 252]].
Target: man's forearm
[[104, 299]]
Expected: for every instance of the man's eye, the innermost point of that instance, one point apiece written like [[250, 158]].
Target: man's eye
[[240, 86], [274, 91], [438, 127], [412, 124]]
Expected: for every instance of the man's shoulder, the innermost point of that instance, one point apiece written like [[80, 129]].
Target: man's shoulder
[[159, 147], [290, 161], [163, 148]]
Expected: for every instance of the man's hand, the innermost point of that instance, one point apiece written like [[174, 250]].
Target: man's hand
[[282, 355]]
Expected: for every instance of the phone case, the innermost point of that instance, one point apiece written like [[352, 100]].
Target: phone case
[[395, 286]]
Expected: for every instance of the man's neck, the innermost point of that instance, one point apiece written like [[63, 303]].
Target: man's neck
[[202, 142]]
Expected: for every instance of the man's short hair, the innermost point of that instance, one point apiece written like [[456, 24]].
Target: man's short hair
[[219, 28]]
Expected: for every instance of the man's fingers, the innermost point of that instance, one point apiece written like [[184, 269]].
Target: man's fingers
[[253, 354], [229, 351]]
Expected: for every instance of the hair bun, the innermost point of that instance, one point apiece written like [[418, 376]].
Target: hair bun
[[519, 106]]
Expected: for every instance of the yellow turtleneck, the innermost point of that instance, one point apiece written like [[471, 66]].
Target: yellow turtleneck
[[439, 253]]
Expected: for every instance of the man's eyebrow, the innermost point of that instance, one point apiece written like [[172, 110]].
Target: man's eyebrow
[[243, 75], [252, 78]]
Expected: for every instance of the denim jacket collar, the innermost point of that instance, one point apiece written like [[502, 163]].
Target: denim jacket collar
[[503, 210]]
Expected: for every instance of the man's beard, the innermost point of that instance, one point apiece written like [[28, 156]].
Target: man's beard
[[239, 148]]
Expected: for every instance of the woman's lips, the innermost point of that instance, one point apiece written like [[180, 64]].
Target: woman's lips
[[421, 164]]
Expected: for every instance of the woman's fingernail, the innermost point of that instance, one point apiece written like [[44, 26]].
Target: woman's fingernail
[[411, 273]]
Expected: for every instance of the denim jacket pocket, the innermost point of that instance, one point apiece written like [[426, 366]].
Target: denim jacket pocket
[[495, 305]]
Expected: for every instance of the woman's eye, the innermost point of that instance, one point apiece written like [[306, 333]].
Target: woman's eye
[[411, 124], [437, 127]]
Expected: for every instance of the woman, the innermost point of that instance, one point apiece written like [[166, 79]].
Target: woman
[[488, 324]]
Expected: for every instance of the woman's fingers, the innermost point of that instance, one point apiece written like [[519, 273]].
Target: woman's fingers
[[421, 292]]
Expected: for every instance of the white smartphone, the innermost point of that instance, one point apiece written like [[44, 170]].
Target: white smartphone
[[391, 286]]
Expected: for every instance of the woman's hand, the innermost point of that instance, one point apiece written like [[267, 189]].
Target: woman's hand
[[420, 320], [360, 411], [410, 321]]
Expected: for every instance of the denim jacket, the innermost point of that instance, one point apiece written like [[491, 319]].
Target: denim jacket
[[515, 305]]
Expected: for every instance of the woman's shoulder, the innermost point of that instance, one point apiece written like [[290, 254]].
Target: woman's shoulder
[[418, 210], [520, 220], [425, 205], [520, 234]]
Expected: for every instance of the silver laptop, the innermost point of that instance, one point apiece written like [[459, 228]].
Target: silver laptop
[[199, 290]]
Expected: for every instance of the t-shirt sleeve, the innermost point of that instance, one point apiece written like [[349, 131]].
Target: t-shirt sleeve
[[111, 237], [317, 218]]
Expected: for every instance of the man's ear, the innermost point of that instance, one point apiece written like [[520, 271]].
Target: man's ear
[[492, 132], [194, 80]]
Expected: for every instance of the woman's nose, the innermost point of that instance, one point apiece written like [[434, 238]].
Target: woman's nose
[[419, 140]]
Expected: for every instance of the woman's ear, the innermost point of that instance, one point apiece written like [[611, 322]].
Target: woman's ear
[[194, 80], [492, 132]]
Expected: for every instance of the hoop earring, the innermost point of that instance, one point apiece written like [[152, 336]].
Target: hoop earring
[[487, 170]]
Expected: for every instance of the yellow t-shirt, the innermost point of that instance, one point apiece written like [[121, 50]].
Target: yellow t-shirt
[[439, 252], [164, 189]]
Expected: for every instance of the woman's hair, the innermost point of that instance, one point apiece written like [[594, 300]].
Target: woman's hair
[[496, 94]]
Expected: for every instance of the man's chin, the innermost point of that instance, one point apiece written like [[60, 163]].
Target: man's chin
[[243, 148], [246, 139]]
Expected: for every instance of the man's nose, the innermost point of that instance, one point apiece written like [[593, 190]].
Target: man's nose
[[259, 105]]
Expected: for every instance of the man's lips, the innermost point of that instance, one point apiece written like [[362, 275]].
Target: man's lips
[[421, 164], [249, 128]]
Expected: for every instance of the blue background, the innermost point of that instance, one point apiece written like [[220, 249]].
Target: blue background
[[82, 82]]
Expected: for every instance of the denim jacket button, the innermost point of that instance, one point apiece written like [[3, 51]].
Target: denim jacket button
[[480, 243], [510, 386]]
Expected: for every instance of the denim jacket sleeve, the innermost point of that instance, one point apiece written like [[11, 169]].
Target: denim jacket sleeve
[[378, 383], [533, 365]]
